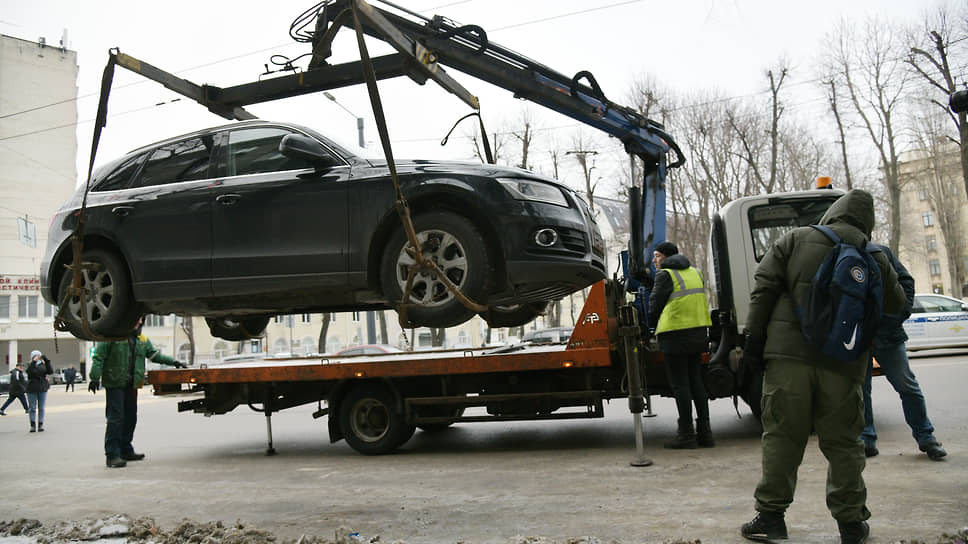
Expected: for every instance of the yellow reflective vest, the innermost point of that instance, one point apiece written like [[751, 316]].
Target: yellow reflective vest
[[686, 307]]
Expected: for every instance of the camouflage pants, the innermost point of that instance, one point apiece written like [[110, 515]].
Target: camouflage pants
[[798, 398]]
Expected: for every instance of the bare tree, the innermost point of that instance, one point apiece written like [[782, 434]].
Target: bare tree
[[938, 178], [525, 135], [830, 84], [582, 147], [323, 331], [930, 56], [870, 68], [188, 327]]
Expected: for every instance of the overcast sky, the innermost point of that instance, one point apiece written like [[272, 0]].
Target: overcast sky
[[688, 45]]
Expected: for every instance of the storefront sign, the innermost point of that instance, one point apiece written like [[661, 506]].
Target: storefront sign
[[20, 283]]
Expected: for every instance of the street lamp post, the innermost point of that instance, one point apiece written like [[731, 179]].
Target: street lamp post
[[370, 317], [359, 120]]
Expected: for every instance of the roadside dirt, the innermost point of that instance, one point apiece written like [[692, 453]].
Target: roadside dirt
[[122, 528]]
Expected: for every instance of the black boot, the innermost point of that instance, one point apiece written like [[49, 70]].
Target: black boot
[[765, 527], [853, 532], [704, 434], [685, 437]]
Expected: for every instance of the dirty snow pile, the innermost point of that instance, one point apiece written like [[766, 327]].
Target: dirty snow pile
[[122, 529]]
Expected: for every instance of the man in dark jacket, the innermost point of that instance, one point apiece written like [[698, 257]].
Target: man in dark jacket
[[891, 354], [803, 389], [680, 315], [18, 388], [120, 365], [70, 376]]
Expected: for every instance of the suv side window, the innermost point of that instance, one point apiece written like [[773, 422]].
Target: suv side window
[[187, 160], [256, 150], [119, 178]]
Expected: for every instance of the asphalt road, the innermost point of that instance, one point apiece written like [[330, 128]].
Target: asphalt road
[[483, 482]]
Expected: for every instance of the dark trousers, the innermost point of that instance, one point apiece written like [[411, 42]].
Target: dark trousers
[[121, 412], [684, 371], [70, 387], [23, 401]]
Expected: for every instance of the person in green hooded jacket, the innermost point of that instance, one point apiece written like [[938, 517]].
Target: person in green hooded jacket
[[120, 367], [803, 389]]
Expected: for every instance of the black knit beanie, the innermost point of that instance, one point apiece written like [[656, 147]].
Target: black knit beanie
[[667, 248]]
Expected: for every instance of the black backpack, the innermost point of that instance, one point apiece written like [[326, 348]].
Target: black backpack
[[845, 300]]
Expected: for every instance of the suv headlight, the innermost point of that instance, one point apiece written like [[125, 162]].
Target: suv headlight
[[526, 189]]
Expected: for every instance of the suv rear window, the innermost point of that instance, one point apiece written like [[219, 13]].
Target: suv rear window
[[187, 160], [121, 176]]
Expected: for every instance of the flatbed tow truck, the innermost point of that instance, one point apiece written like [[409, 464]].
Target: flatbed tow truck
[[376, 403]]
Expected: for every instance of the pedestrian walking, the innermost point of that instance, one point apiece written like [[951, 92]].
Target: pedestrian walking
[[70, 376], [120, 365], [18, 388], [37, 387], [890, 350], [680, 314], [803, 388]]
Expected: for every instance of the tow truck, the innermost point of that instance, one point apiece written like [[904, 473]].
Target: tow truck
[[377, 403]]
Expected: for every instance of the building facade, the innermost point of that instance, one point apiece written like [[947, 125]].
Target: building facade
[[934, 221], [38, 146]]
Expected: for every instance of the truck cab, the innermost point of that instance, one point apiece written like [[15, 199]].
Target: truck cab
[[742, 232]]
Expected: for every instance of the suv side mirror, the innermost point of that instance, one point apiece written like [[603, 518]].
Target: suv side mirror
[[303, 147]]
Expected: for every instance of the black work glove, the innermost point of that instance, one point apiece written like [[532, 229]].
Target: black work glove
[[179, 364], [93, 386], [752, 359]]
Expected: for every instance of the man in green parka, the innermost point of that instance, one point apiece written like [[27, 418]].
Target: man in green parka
[[803, 389], [120, 366]]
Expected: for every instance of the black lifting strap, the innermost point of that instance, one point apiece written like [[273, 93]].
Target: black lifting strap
[[420, 264]]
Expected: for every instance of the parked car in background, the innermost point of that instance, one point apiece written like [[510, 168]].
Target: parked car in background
[[4, 383], [246, 221], [552, 335], [369, 349], [937, 321]]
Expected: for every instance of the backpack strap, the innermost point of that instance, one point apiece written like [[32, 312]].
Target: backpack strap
[[828, 232]]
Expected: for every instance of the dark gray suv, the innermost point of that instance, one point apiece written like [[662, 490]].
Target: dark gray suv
[[246, 221]]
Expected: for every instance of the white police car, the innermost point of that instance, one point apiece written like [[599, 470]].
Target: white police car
[[937, 321]]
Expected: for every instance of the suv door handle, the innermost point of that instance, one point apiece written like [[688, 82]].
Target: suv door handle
[[122, 211], [228, 199]]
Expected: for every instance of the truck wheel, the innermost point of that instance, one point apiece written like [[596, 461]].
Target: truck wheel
[[111, 309], [370, 422], [513, 315], [457, 248], [237, 329]]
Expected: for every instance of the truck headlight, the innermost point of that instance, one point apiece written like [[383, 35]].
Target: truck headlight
[[526, 189]]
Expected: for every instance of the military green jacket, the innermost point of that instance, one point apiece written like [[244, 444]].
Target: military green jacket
[[784, 276], [112, 362]]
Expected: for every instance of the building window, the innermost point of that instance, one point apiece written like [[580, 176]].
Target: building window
[[278, 319], [152, 320], [927, 219], [27, 307], [5, 307], [931, 243], [922, 192], [221, 349], [935, 266], [255, 345], [356, 317], [307, 318], [49, 311]]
